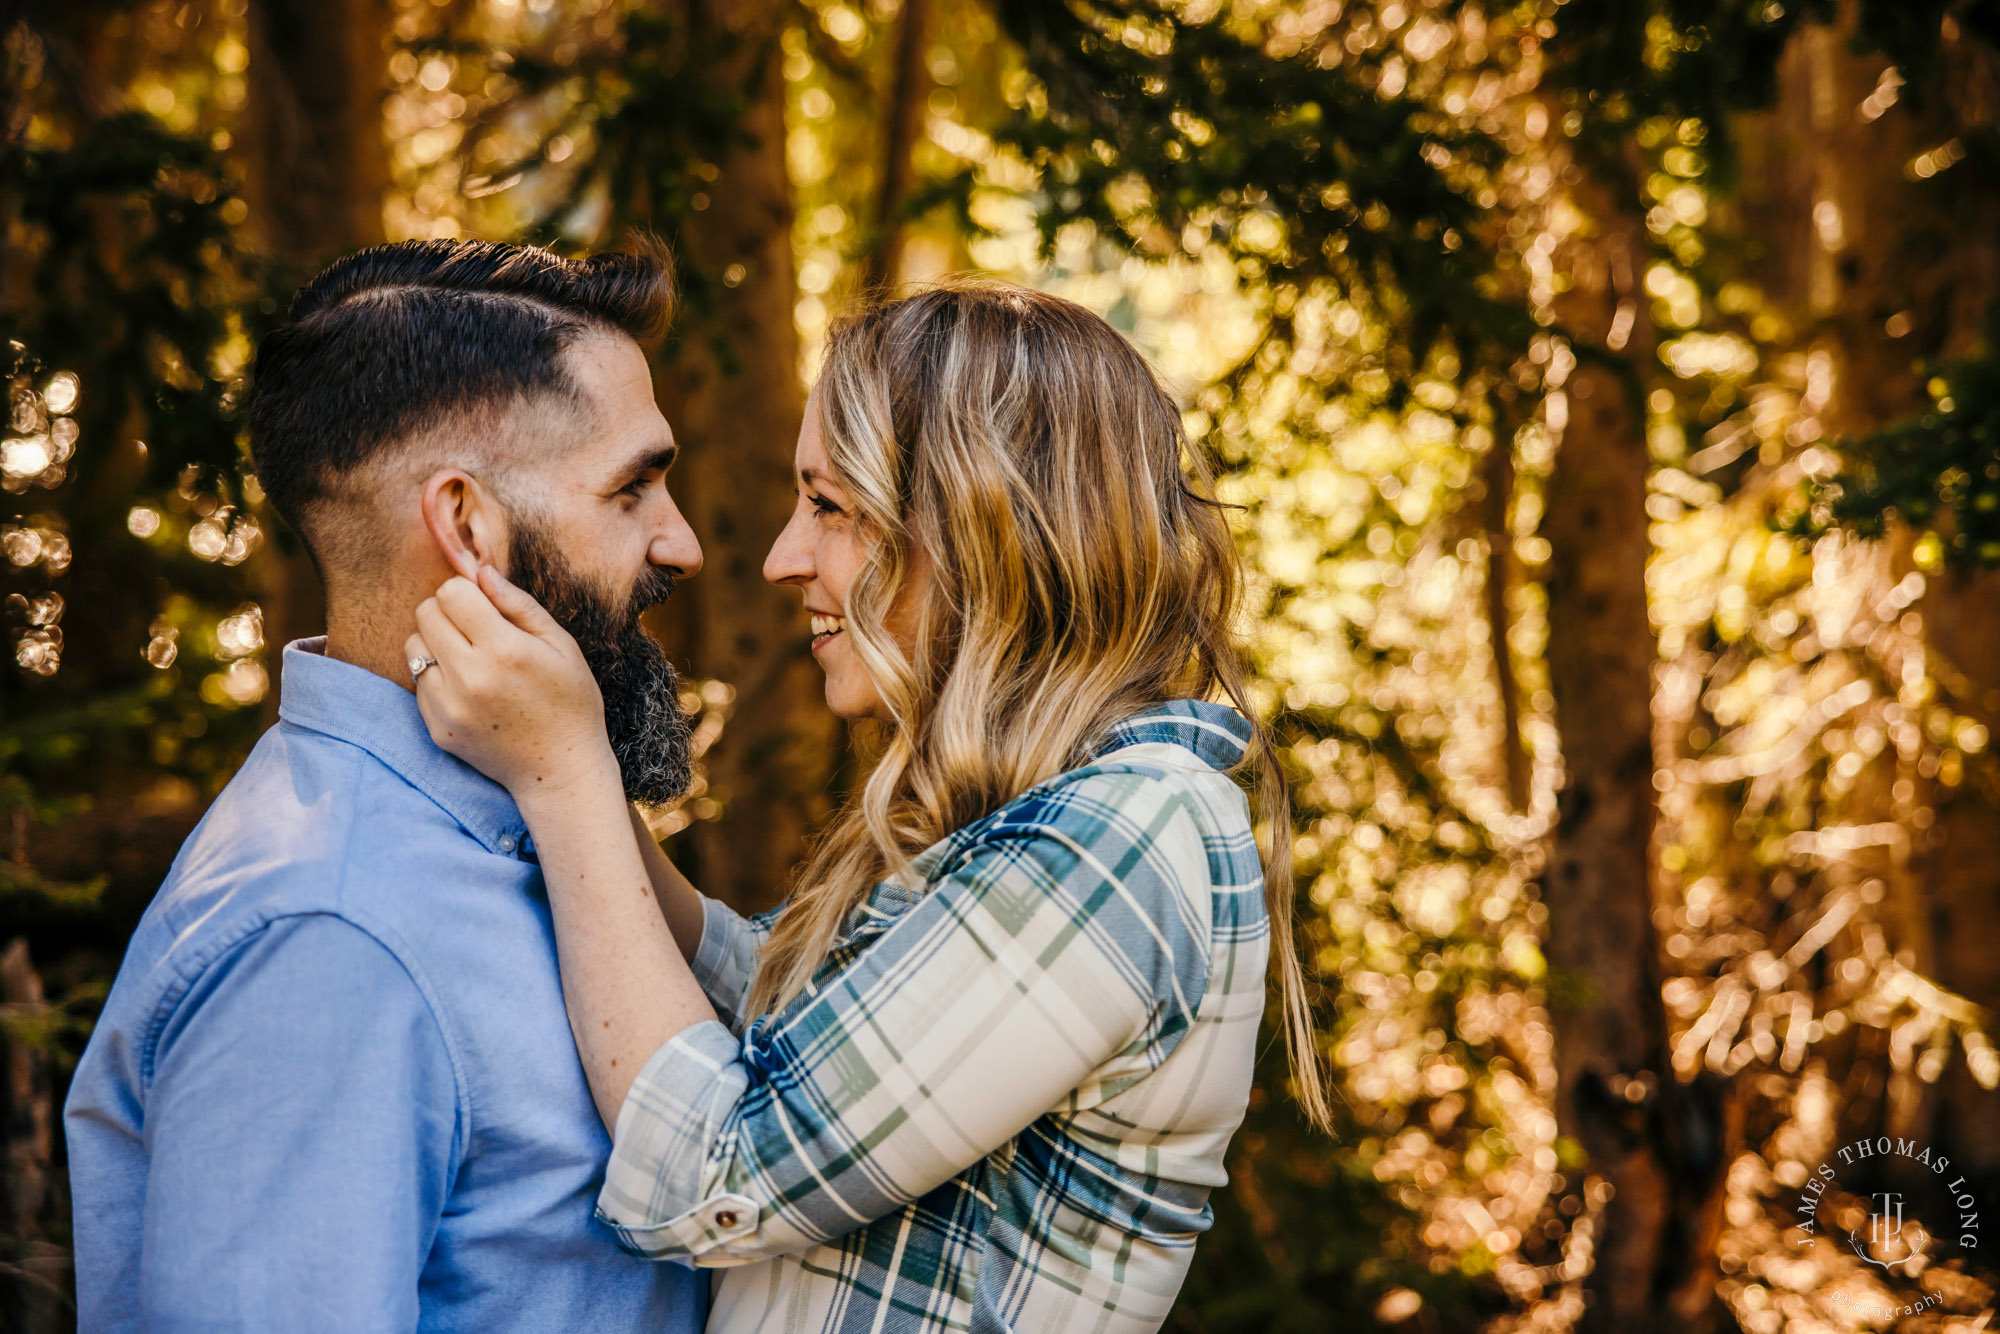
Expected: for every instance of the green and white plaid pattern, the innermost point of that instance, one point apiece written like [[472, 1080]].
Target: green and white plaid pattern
[[1005, 1098]]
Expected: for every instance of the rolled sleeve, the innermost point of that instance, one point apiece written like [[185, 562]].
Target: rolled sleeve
[[662, 1193], [1055, 960]]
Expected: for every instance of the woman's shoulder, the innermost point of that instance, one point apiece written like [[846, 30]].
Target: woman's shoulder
[[1178, 753], [1157, 787], [1215, 735]]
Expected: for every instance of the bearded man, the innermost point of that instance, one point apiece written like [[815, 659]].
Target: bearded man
[[333, 1087]]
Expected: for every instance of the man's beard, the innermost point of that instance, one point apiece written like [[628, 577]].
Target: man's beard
[[642, 708]]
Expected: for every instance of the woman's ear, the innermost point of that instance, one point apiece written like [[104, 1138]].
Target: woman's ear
[[465, 521]]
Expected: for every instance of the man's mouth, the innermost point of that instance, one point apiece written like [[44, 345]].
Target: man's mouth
[[824, 628]]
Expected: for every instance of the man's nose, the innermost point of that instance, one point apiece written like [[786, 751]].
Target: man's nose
[[675, 546]]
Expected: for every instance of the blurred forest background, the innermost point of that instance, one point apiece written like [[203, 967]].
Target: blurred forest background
[[1609, 391]]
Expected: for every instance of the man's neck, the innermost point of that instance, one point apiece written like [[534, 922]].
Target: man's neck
[[366, 642]]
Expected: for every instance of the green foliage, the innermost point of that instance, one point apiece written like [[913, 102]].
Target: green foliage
[[1938, 472], [1310, 165], [124, 521], [1627, 62], [578, 132], [1705, 61]]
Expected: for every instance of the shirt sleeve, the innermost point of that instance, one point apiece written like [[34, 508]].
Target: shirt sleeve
[[301, 1127], [725, 962], [1059, 960]]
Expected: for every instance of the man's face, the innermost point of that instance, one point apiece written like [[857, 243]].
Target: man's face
[[603, 489], [597, 540]]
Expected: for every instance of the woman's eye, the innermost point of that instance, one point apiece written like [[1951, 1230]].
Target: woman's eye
[[821, 505]]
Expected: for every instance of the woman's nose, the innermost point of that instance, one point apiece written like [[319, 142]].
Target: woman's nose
[[790, 560]]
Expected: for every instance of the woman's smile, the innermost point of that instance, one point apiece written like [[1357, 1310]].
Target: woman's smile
[[824, 628]]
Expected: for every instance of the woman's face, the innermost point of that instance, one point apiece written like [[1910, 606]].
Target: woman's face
[[819, 552]]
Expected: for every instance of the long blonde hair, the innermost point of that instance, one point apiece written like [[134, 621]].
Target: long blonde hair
[[1075, 571]]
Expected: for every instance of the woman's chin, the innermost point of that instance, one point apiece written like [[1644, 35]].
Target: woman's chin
[[851, 701]]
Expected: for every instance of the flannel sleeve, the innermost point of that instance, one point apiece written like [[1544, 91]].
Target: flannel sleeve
[[725, 962]]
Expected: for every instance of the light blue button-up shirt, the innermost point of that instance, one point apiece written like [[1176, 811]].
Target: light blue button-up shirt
[[333, 1087]]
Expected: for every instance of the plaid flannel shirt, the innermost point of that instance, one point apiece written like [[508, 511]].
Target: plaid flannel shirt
[[1004, 1099]]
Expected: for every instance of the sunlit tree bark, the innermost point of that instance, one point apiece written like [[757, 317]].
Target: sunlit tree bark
[[1884, 270], [32, 1302], [730, 386], [1602, 953], [902, 126], [314, 172], [1497, 477]]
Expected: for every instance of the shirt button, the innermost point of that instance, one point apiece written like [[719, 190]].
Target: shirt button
[[506, 842], [726, 1218]]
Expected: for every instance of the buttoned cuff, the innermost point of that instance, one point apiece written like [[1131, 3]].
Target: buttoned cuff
[[663, 1195]]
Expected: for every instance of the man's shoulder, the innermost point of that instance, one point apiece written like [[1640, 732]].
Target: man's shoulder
[[311, 824]]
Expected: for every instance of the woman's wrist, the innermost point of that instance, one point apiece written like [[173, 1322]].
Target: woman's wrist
[[561, 791]]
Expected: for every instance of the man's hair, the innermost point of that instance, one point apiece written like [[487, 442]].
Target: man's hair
[[393, 342]]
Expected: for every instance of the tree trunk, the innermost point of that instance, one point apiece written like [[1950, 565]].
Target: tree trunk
[[1864, 243], [1961, 866], [1616, 1095], [33, 1271], [903, 124], [315, 169], [730, 386], [1497, 476]]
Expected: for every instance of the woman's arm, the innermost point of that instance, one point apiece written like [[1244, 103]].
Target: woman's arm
[[524, 709], [718, 944], [680, 901]]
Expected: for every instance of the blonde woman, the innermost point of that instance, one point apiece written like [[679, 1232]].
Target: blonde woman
[[980, 1071]]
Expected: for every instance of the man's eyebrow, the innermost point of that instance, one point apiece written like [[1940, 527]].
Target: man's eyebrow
[[658, 459]]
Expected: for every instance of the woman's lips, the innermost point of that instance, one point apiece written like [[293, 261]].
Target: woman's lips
[[824, 628]]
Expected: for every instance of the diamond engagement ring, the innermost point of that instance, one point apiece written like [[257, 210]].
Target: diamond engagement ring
[[418, 666]]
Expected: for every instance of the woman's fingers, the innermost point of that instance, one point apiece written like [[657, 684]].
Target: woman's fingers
[[515, 604], [471, 612], [518, 708], [415, 649], [448, 643], [428, 684]]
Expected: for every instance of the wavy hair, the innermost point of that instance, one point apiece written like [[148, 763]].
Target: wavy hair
[[1012, 447]]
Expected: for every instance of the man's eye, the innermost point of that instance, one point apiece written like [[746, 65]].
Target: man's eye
[[635, 488]]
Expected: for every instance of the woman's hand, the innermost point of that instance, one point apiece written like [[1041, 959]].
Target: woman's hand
[[511, 694]]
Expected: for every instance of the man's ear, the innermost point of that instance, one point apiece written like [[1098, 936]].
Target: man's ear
[[466, 522]]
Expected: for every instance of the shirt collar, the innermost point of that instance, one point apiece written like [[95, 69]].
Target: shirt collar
[[354, 705], [1216, 733]]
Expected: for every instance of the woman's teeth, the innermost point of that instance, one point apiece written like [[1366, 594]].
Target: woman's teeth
[[828, 625]]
